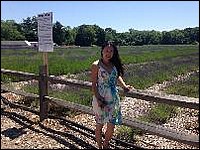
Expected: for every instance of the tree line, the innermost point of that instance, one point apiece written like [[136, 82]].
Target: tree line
[[88, 35]]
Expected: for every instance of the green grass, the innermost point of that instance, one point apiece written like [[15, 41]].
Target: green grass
[[74, 94], [160, 113], [189, 88], [127, 133], [145, 75], [76, 60]]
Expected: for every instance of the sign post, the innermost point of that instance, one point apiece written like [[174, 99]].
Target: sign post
[[45, 35], [45, 45]]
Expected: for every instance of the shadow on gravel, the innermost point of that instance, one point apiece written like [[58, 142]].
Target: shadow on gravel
[[13, 133], [56, 135]]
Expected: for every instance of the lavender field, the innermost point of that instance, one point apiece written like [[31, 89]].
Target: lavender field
[[144, 65]]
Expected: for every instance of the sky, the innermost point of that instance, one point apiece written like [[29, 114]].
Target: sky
[[118, 15]]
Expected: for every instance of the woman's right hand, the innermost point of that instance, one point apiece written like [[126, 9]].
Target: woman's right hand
[[101, 101]]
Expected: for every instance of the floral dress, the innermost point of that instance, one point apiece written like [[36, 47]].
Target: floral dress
[[107, 88]]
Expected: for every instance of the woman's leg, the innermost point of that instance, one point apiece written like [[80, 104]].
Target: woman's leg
[[108, 135], [98, 134]]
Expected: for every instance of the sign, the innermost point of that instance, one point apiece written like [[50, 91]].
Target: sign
[[45, 32]]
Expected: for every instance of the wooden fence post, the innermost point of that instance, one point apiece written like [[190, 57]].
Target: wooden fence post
[[43, 91]]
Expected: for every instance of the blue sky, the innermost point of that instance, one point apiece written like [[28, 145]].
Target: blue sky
[[118, 15]]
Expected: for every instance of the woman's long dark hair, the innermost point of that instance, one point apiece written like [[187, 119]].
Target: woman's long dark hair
[[115, 59]]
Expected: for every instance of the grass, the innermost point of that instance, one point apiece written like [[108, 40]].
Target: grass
[[127, 133], [146, 75], [72, 94], [76, 60], [160, 113], [189, 87]]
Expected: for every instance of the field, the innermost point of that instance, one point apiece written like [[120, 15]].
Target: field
[[144, 67]]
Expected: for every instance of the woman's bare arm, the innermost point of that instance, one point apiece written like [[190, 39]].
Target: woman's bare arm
[[123, 84], [94, 76]]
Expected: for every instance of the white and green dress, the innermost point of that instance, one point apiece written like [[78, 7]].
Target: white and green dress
[[107, 88]]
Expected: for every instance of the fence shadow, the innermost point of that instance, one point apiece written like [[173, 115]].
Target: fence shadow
[[56, 135]]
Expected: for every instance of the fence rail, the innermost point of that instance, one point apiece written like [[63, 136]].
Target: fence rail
[[180, 101]]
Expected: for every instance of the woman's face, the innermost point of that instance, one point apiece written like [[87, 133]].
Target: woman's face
[[107, 52]]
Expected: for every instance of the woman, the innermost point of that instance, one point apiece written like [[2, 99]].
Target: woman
[[106, 72]]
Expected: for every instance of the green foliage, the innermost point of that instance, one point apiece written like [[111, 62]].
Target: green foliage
[[190, 87], [31, 89], [10, 78], [58, 33], [165, 62], [87, 35], [127, 133], [10, 31], [29, 28], [6, 78], [165, 67], [72, 94], [160, 63], [160, 113], [80, 96]]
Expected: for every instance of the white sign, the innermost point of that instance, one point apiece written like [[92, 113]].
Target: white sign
[[45, 32]]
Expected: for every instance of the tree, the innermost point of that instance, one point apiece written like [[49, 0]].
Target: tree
[[9, 31], [99, 35], [110, 34], [85, 35], [177, 37], [70, 35], [191, 35], [154, 37], [29, 28], [59, 33], [166, 38]]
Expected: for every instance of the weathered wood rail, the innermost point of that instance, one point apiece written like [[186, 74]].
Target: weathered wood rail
[[180, 101]]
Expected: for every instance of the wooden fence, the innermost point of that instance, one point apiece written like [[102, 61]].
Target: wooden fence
[[181, 101]]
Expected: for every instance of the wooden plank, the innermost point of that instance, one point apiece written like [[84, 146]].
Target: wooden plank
[[144, 126], [72, 82], [19, 92], [176, 100], [70, 105], [190, 139], [15, 105], [24, 75]]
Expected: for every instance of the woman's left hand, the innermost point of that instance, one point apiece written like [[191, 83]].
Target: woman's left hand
[[128, 88]]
